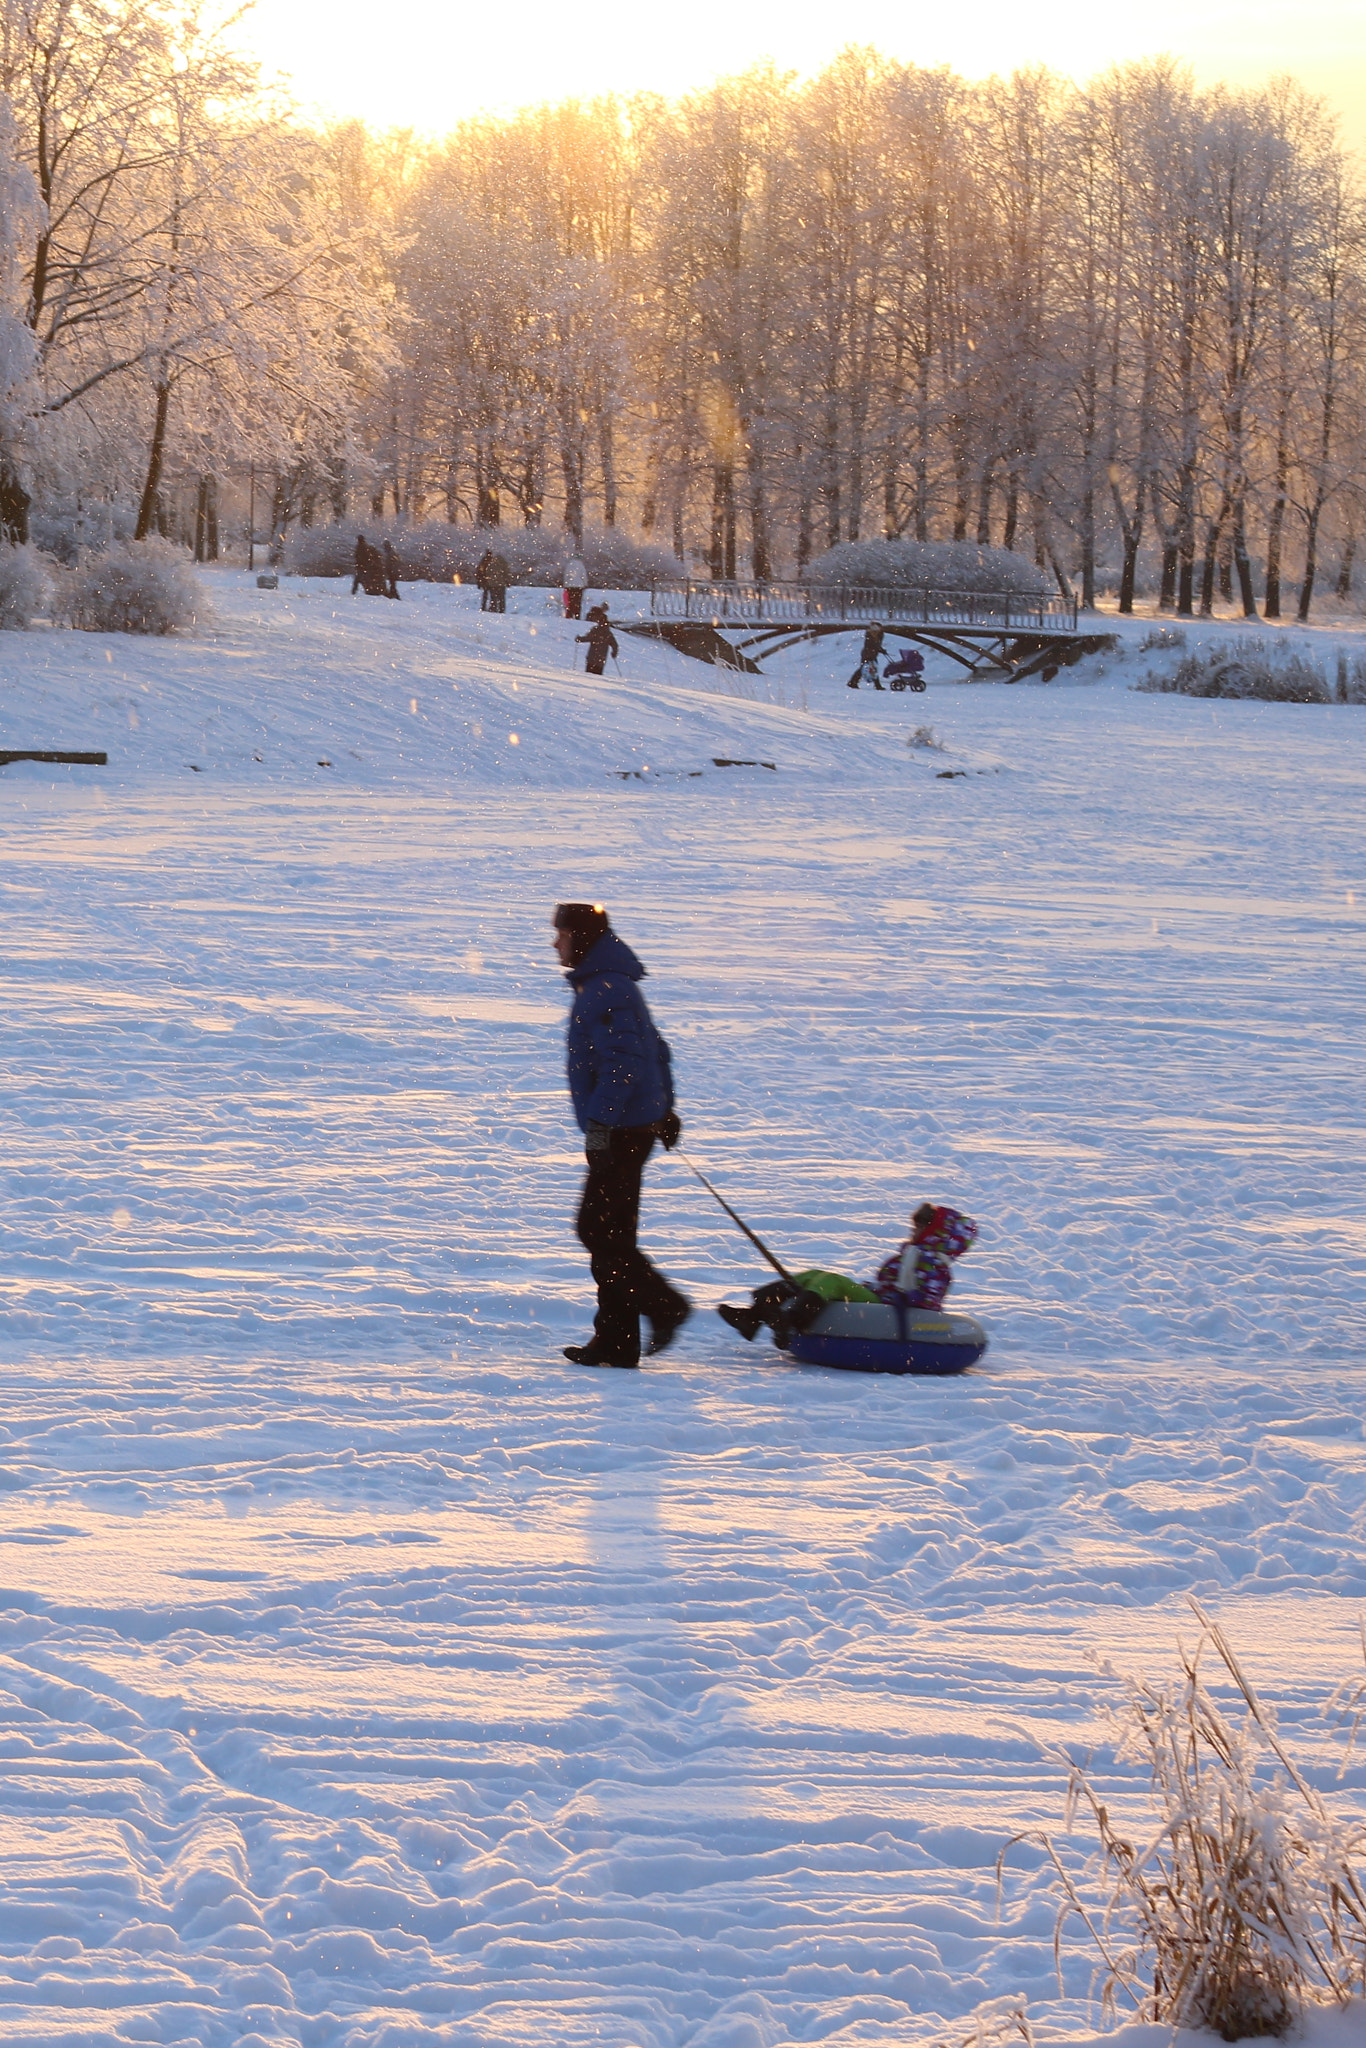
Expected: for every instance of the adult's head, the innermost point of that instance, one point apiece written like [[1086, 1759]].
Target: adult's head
[[578, 927]]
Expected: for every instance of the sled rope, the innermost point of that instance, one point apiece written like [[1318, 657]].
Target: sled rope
[[753, 1237]]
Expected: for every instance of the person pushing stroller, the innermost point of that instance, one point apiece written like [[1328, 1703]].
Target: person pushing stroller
[[866, 672]]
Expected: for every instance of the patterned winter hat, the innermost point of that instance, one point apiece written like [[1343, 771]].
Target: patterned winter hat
[[944, 1231]]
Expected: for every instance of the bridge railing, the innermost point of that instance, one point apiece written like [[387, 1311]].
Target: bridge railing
[[795, 604]]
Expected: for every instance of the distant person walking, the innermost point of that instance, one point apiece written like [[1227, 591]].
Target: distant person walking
[[575, 584], [390, 570], [369, 571], [493, 577], [868, 660], [621, 1085], [602, 641]]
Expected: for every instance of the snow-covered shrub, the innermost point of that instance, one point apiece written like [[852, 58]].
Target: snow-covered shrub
[[23, 587], [1242, 669], [142, 586], [1161, 637], [66, 532], [437, 552], [1237, 1902], [924, 565], [1351, 679], [925, 736]]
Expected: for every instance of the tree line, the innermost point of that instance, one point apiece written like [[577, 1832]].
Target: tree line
[[1119, 329]]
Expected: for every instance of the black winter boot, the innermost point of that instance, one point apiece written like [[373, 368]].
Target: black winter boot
[[747, 1321]]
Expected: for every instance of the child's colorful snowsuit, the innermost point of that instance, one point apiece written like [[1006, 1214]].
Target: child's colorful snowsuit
[[919, 1273], [916, 1276]]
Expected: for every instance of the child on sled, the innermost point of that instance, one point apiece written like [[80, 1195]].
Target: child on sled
[[917, 1275]]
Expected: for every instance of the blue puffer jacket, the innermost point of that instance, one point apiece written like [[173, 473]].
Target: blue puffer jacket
[[620, 1072]]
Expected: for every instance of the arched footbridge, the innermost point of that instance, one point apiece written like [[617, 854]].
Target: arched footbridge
[[994, 635]]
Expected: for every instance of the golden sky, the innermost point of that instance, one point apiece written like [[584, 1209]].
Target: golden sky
[[426, 63]]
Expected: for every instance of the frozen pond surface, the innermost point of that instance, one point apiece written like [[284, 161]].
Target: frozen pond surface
[[370, 1676]]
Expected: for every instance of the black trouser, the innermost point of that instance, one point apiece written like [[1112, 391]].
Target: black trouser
[[629, 1287]]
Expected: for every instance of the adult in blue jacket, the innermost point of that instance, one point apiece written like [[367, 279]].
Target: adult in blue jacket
[[621, 1086]]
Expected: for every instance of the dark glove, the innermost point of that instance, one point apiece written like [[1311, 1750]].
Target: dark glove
[[670, 1131], [598, 1138]]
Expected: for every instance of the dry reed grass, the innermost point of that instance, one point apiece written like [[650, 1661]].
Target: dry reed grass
[[1240, 1904], [996, 2024]]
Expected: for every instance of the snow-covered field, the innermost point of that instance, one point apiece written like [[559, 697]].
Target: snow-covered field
[[371, 1676]]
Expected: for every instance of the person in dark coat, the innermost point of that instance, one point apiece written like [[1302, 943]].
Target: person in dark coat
[[621, 1085], [367, 566], [493, 577], [602, 641], [868, 660], [390, 569], [575, 584]]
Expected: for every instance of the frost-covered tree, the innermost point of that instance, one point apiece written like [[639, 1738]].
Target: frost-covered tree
[[21, 218]]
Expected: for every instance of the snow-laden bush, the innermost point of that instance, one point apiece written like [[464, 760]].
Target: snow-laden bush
[[1252, 668], [1351, 679], [437, 552], [141, 586], [66, 532], [925, 565], [23, 587], [1159, 638]]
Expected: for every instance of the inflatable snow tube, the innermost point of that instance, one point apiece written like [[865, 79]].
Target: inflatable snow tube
[[871, 1336]]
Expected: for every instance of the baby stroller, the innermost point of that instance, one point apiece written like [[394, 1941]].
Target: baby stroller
[[907, 672]]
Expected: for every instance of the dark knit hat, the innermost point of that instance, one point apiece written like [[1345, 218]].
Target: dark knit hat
[[586, 921]]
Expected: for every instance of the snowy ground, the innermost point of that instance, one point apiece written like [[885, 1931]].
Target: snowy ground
[[369, 1675]]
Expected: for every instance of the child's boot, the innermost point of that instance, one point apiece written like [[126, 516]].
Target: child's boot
[[747, 1321]]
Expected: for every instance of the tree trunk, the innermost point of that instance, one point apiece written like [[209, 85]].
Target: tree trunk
[[984, 509], [1349, 549], [761, 566], [155, 460], [1275, 530], [607, 455], [488, 511], [1012, 511], [1088, 548], [960, 478], [891, 526], [1131, 531], [14, 505], [572, 470], [922, 451], [723, 523], [1311, 549], [1241, 563], [1207, 573]]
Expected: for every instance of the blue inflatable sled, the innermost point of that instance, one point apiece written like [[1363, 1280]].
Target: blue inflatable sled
[[870, 1336]]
